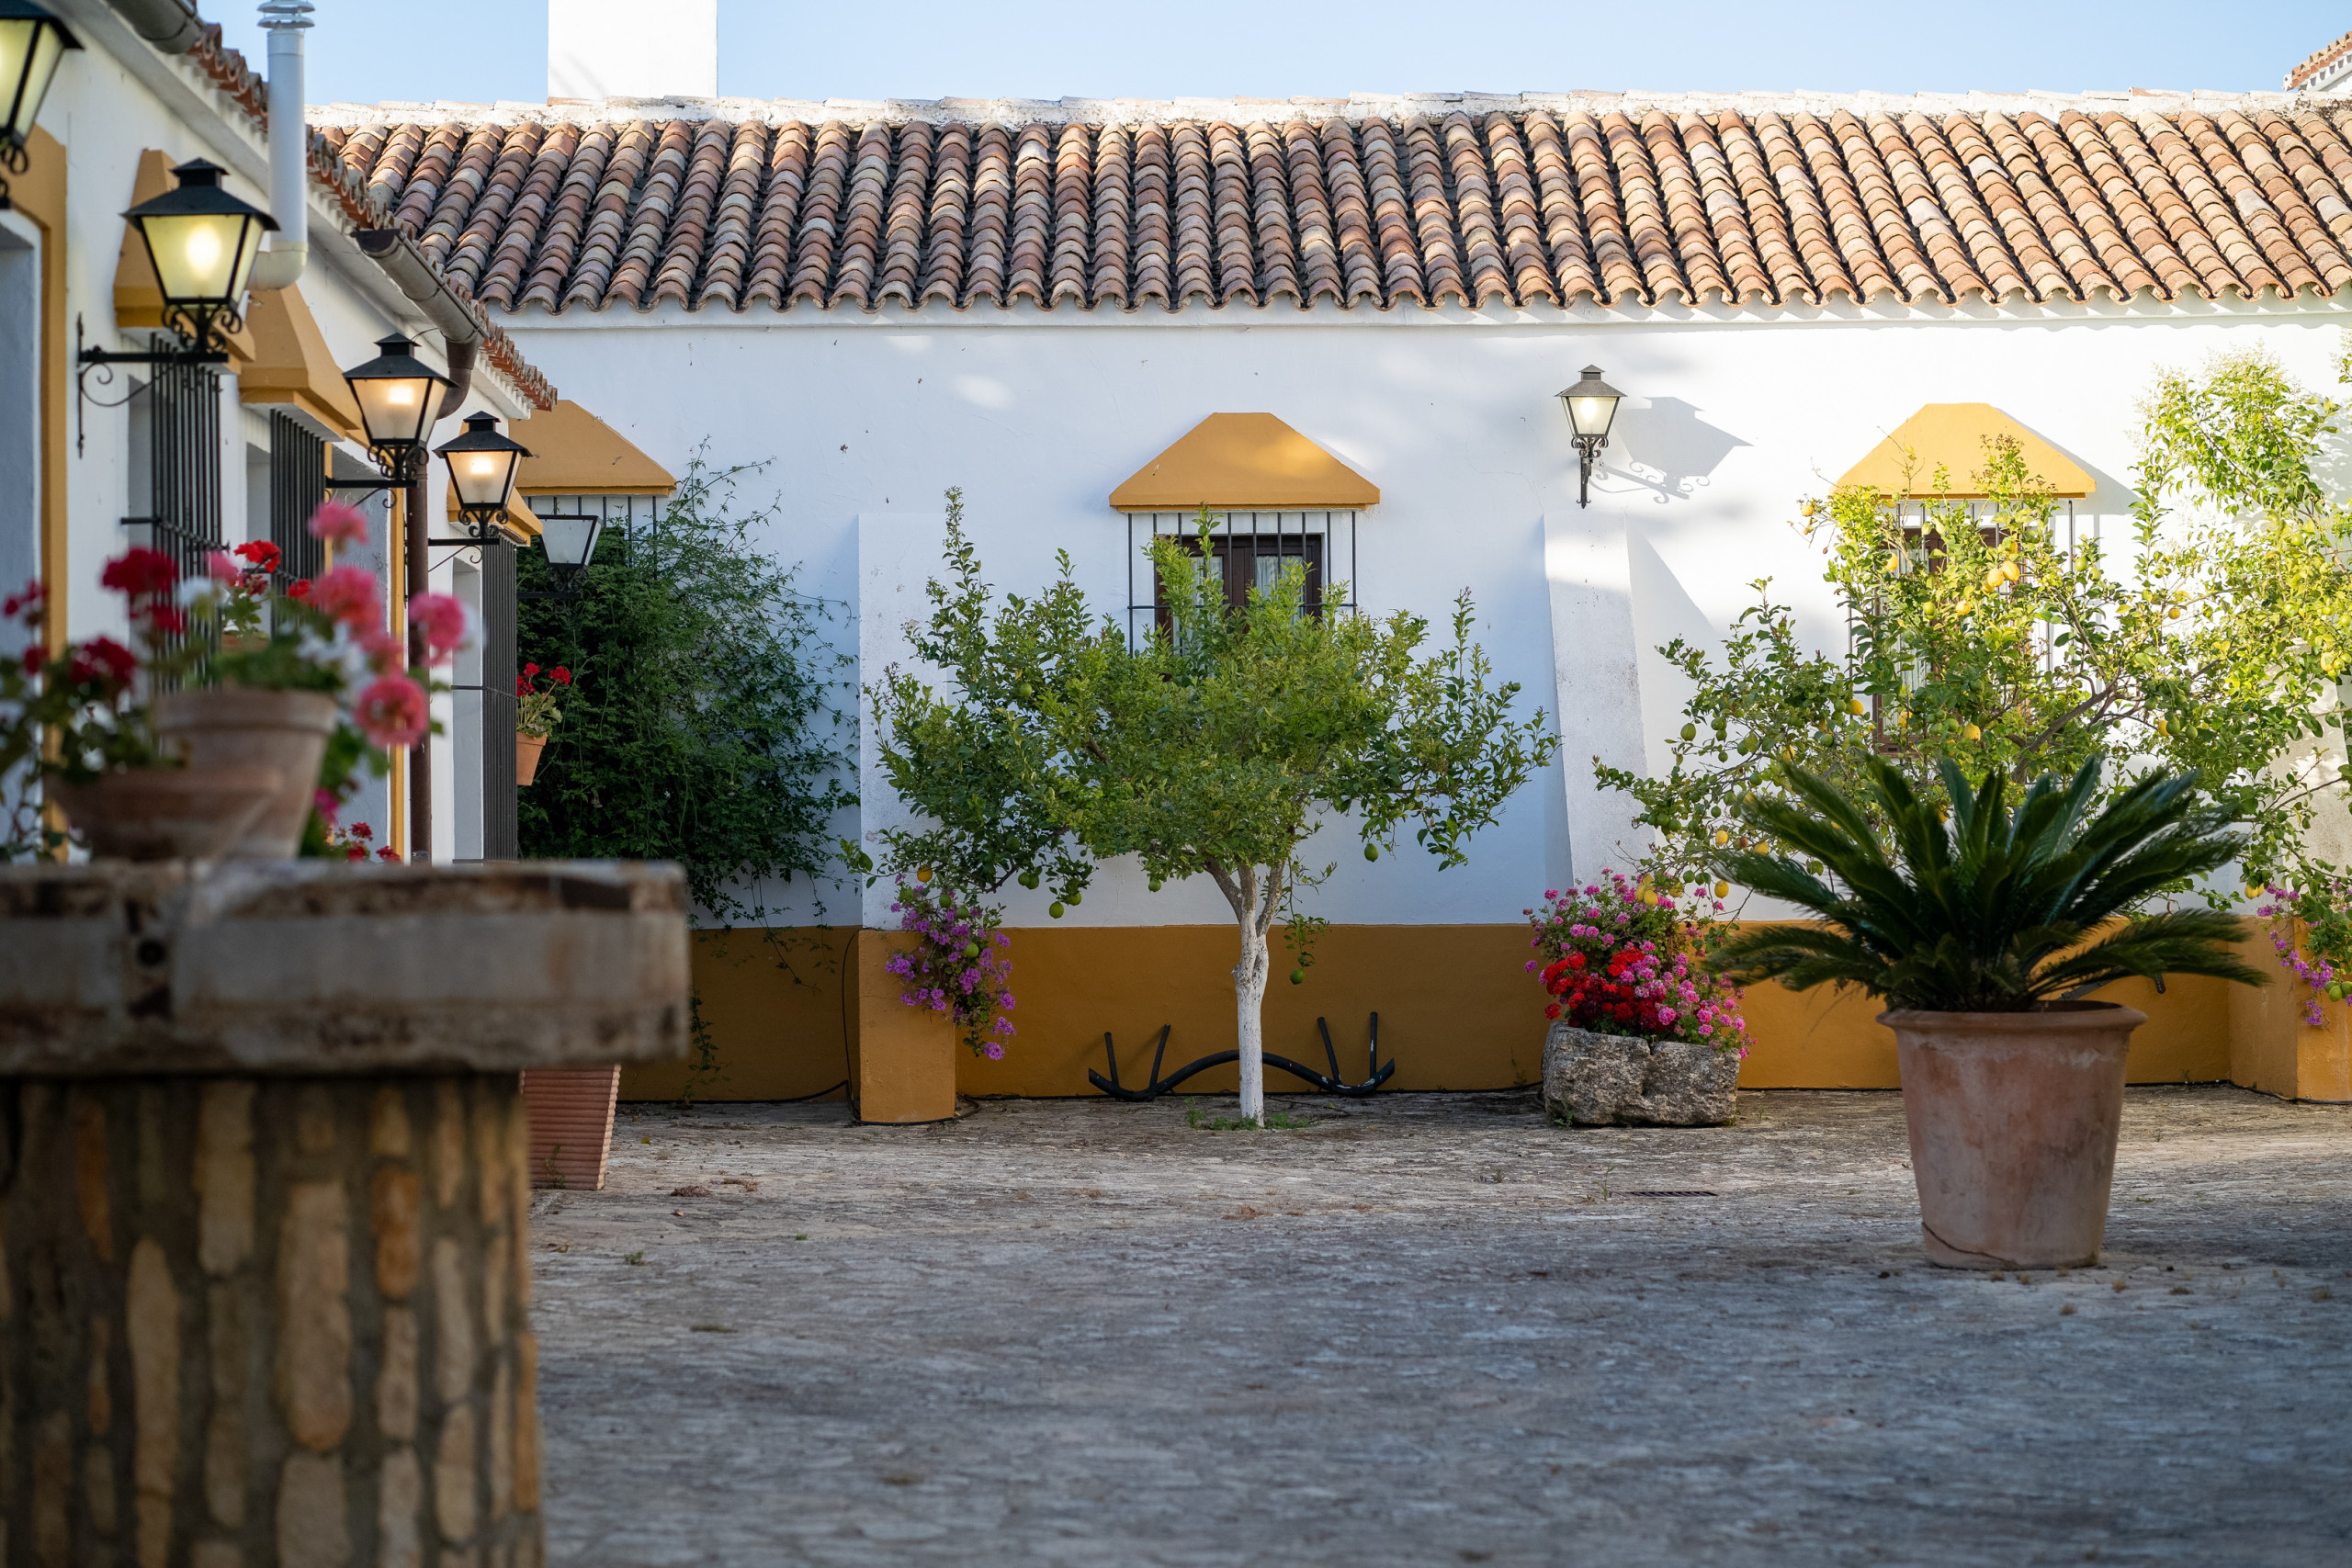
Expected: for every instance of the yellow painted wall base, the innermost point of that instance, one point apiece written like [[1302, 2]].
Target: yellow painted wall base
[[1457, 1010]]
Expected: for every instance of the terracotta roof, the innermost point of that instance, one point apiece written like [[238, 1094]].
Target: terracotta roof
[[237, 82], [1619, 200], [2318, 62]]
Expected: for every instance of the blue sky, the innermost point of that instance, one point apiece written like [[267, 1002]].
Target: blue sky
[[478, 50]]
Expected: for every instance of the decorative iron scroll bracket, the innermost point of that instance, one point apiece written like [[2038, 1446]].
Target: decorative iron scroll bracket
[[103, 360], [1330, 1083]]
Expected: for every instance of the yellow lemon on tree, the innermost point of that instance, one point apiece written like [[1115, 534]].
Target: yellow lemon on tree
[[1723, 889], [1973, 733], [922, 874], [2163, 727], [1856, 706], [2173, 613], [2012, 571], [1722, 837]]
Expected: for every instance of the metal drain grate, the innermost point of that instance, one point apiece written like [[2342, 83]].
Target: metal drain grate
[[1669, 1192]]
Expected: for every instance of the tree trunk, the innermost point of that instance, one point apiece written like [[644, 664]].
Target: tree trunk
[[1249, 1011]]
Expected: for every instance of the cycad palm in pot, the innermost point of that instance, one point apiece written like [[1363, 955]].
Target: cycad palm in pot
[[1984, 927]]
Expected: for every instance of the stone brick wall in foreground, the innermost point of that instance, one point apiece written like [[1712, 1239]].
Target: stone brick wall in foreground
[[267, 1322]]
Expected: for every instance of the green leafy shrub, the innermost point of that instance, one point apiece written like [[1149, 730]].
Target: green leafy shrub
[[705, 727]]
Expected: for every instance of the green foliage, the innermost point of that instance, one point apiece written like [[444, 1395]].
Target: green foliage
[[1993, 634], [1217, 750], [1214, 750], [1996, 911], [704, 727]]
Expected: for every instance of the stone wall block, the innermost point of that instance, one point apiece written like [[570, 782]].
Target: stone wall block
[[52, 1492], [394, 1202], [313, 1363], [90, 1168], [224, 1175], [492, 1147], [314, 1120], [388, 1129], [449, 1158], [527, 1421], [502, 1443], [397, 1385], [496, 1274], [229, 1350], [100, 1381], [313, 1522], [215, 1554], [153, 1328], [518, 1195], [454, 1351], [455, 1478], [400, 1511]]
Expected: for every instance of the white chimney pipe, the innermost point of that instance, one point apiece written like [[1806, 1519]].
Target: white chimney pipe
[[625, 49], [289, 147]]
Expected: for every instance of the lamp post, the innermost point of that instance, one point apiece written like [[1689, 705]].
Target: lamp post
[[31, 43], [1592, 406], [481, 471], [201, 241], [570, 540], [396, 393]]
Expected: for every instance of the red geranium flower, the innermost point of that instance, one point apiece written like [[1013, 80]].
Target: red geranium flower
[[562, 676], [36, 656], [530, 669], [299, 589], [261, 552], [102, 659], [140, 572]]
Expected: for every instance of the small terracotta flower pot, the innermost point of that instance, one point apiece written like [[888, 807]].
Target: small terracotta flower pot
[[571, 1124], [151, 814], [229, 726], [2013, 1119], [527, 757]]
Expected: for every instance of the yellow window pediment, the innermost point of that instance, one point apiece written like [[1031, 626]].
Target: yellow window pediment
[[1952, 435], [1244, 462]]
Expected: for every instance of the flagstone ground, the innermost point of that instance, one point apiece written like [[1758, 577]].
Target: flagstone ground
[[1433, 1329]]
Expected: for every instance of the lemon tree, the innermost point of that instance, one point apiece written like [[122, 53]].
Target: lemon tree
[[1215, 746], [2212, 635]]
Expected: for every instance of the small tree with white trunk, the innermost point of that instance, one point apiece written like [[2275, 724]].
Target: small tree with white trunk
[[1216, 745]]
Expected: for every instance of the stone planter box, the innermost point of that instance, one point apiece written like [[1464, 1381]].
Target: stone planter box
[[1598, 1080], [265, 1266]]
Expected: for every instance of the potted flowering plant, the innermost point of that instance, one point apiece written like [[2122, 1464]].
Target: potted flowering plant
[[1641, 1032], [72, 735], [288, 665], [1984, 927], [247, 688], [535, 715]]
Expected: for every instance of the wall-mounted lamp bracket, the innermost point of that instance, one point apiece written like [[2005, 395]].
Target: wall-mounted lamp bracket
[[103, 360]]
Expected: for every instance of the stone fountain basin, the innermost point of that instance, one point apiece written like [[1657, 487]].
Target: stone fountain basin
[[320, 968]]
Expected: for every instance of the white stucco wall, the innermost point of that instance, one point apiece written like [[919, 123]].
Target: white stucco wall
[[111, 101], [1729, 421]]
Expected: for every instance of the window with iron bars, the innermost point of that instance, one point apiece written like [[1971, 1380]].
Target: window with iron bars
[[297, 483], [1250, 547], [175, 458], [1923, 551]]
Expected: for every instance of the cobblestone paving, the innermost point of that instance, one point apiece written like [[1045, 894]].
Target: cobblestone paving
[[1433, 1329]]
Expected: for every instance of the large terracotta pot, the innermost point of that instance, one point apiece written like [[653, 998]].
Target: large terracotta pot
[[526, 758], [229, 726], [2012, 1120], [571, 1124], [151, 814]]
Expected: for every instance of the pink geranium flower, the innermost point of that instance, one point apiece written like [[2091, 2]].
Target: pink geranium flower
[[384, 652], [443, 619], [391, 712], [348, 594], [221, 567], [339, 522]]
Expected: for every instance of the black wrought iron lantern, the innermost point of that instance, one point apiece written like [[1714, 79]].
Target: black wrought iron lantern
[[31, 43], [1592, 407], [396, 391], [570, 540], [481, 471], [203, 242]]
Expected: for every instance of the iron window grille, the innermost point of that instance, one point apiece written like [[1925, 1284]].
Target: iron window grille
[[180, 407], [1251, 548], [298, 484]]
